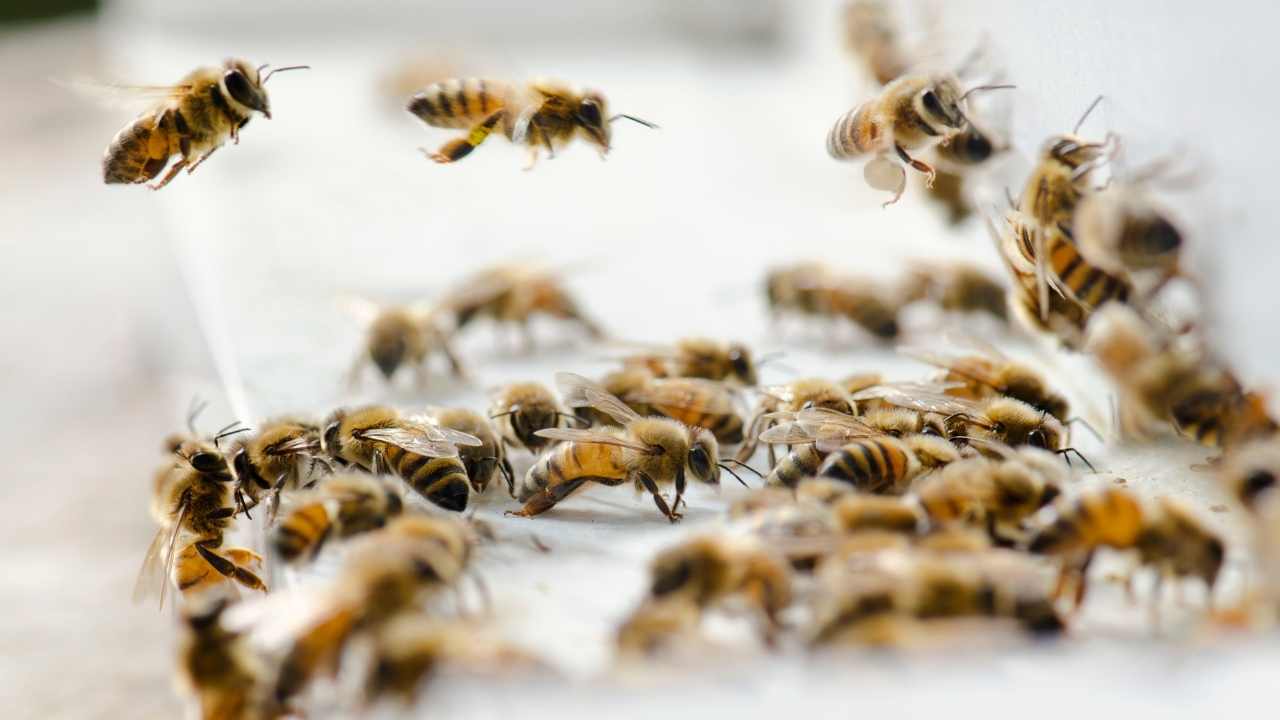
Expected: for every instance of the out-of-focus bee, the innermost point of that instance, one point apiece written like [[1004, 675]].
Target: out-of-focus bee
[[341, 506], [707, 571], [1122, 229], [913, 112], [1250, 473], [514, 293], [815, 290], [542, 114], [997, 495], [1030, 300], [521, 409], [957, 287], [793, 397], [1164, 379], [1063, 175], [700, 358], [218, 670], [281, 456], [696, 402], [872, 36], [896, 597], [195, 499], [399, 337], [196, 116], [1165, 534], [645, 451], [958, 159], [990, 373], [484, 461], [410, 649], [378, 439]]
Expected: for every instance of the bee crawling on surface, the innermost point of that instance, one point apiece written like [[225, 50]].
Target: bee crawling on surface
[[282, 456], [730, 362], [195, 117], [515, 294], [396, 337], [521, 409], [696, 402], [544, 114], [340, 506]]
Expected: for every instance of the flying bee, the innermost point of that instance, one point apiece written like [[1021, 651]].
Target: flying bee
[[515, 293], [198, 504], [484, 461], [1166, 535], [1122, 229], [645, 451], [872, 36], [195, 117], [378, 439], [958, 288], [1029, 298], [792, 398], [218, 669], [707, 571], [700, 358], [990, 373], [521, 409], [893, 597], [341, 506], [911, 113], [542, 114], [281, 456], [1063, 175]]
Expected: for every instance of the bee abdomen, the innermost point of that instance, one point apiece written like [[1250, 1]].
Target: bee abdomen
[[302, 532], [852, 135], [801, 462], [441, 480], [1091, 285], [457, 103], [137, 153], [870, 464]]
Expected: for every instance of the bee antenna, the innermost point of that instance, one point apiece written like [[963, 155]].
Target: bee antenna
[[228, 432], [1065, 453], [729, 470], [1085, 116], [502, 414], [982, 88], [1008, 196], [634, 119], [282, 69], [1090, 428], [193, 411], [743, 465]]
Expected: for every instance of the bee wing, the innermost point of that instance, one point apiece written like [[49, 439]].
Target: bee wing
[[952, 363], [978, 344], [122, 95], [590, 436], [429, 428], [926, 400], [578, 391], [684, 394], [155, 570], [296, 446], [412, 439], [359, 308], [788, 433]]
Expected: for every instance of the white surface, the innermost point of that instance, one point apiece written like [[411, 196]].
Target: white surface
[[671, 234]]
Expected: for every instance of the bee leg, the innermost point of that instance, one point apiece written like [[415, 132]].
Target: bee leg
[[1082, 581], [505, 466], [192, 167], [228, 568], [658, 500], [919, 165], [456, 149], [547, 499], [533, 159], [169, 176]]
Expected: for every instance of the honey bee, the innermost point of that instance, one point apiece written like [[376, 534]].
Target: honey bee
[[700, 358], [1029, 298], [515, 293], [378, 439], [521, 409], [896, 596], [707, 404], [484, 461], [196, 116], [861, 512], [990, 373], [792, 398], [341, 506], [872, 36], [542, 114], [959, 288], [196, 500], [1165, 534], [707, 571], [815, 290], [218, 669], [282, 455], [997, 495], [1063, 175], [1249, 472], [1122, 229], [913, 112], [399, 337], [645, 451]]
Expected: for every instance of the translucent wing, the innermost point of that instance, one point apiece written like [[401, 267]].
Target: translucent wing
[[156, 567], [298, 445], [122, 95], [411, 439], [578, 391], [479, 289], [881, 390], [590, 436], [977, 344], [706, 396], [922, 400], [954, 363], [430, 429]]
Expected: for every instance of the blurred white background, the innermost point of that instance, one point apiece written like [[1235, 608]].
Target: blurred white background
[[668, 237]]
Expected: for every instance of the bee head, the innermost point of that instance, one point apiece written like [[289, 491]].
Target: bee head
[[972, 146], [331, 440], [740, 362], [591, 115], [939, 103], [703, 454], [243, 85]]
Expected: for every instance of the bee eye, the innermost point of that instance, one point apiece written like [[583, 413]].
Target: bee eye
[[1036, 438], [931, 103], [242, 91], [589, 113], [205, 462]]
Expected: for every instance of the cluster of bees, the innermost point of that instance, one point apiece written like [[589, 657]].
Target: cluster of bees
[[886, 511]]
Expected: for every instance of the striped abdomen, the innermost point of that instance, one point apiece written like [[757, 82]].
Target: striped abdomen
[[1110, 516], [853, 135], [303, 531], [458, 103], [1091, 286], [803, 461], [138, 152], [871, 465], [572, 461], [727, 427], [442, 480]]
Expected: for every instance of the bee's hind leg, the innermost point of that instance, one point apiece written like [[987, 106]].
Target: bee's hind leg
[[169, 176], [230, 569], [192, 167], [547, 499], [456, 149], [919, 165]]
